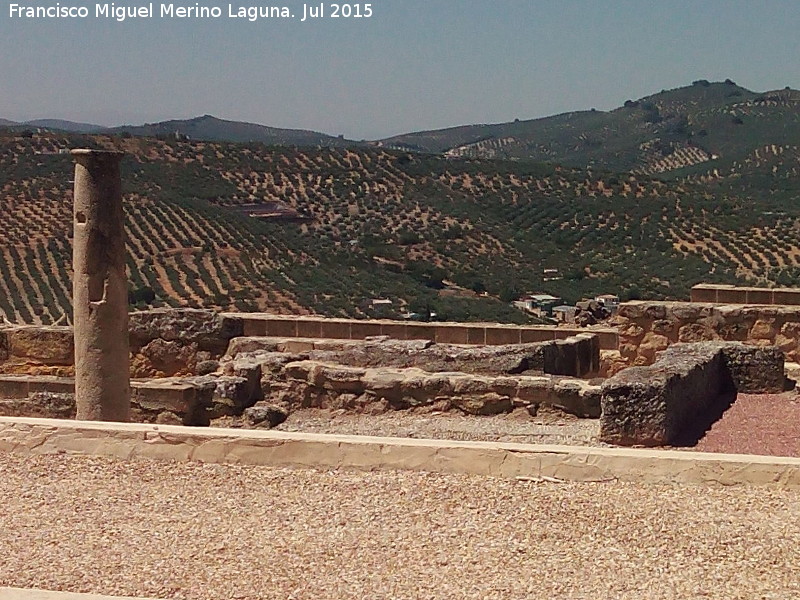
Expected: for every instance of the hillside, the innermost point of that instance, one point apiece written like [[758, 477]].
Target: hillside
[[703, 124], [338, 227], [208, 128], [68, 126]]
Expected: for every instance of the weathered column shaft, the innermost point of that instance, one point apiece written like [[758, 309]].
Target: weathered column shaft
[[100, 289]]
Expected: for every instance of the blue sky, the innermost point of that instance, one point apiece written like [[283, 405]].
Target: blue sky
[[416, 64]]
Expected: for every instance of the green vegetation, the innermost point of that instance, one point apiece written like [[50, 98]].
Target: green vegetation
[[459, 237]]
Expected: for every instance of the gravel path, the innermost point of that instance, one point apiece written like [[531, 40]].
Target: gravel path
[[518, 427], [208, 531], [757, 424]]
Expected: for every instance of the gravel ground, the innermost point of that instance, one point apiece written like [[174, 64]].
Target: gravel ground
[[757, 424], [519, 426], [175, 530]]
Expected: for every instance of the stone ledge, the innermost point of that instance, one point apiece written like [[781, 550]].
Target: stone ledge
[[273, 325], [281, 449]]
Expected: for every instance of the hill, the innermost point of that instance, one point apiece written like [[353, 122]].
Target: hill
[[252, 227], [700, 124], [69, 126], [208, 128]]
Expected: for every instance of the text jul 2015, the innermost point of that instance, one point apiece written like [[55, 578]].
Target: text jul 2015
[[110, 10]]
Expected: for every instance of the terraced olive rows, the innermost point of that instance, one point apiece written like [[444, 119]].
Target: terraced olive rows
[[458, 237]]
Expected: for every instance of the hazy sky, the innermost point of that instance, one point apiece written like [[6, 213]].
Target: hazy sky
[[416, 64]]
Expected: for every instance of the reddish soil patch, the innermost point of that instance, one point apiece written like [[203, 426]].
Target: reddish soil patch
[[767, 424]]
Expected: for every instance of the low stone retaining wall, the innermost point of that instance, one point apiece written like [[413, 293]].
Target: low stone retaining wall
[[731, 294], [577, 356], [178, 401], [313, 384], [262, 324], [164, 343], [686, 390], [175, 342], [646, 328]]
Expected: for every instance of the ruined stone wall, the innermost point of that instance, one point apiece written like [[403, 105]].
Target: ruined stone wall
[[646, 328], [313, 384], [163, 343], [577, 356], [674, 400]]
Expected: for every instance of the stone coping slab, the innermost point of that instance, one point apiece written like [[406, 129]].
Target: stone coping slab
[[28, 594], [289, 449]]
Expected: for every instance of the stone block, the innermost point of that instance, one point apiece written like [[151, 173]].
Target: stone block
[[476, 335], [759, 296], [609, 340], [421, 331], [364, 329], [3, 344], [309, 328], [755, 370], [338, 329], [254, 327], [732, 295], [577, 399], [632, 310], [39, 344], [763, 329], [209, 330], [280, 327], [452, 334], [530, 335], [655, 405], [704, 293], [190, 402], [497, 336], [241, 345], [14, 386], [396, 331], [483, 404], [787, 297], [47, 405]]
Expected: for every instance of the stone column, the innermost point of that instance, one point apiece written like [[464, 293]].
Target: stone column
[[100, 289]]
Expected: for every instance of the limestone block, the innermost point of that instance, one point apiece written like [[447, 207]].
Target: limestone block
[[41, 344], [791, 329], [651, 344], [652, 405], [161, 358], [631, 333], [763, 329], [240, 345], [483, 404], [209, 330], [534, 390], [695, 332], [755, 370]]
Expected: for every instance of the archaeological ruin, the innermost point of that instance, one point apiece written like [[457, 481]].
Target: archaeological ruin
[[654, 374]]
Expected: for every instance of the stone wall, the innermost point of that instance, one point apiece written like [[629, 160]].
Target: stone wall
[[193, 400], [261, 324], [690, 385], [645, 328], [174, 342], [731, 294], [164, 343], [313, 384], [577, 356]]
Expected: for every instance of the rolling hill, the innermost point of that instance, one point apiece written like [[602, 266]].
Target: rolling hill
[[327, 229], [208, 128], [697, 125]]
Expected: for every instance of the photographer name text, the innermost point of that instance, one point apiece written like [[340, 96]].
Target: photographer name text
[[110, 11]]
